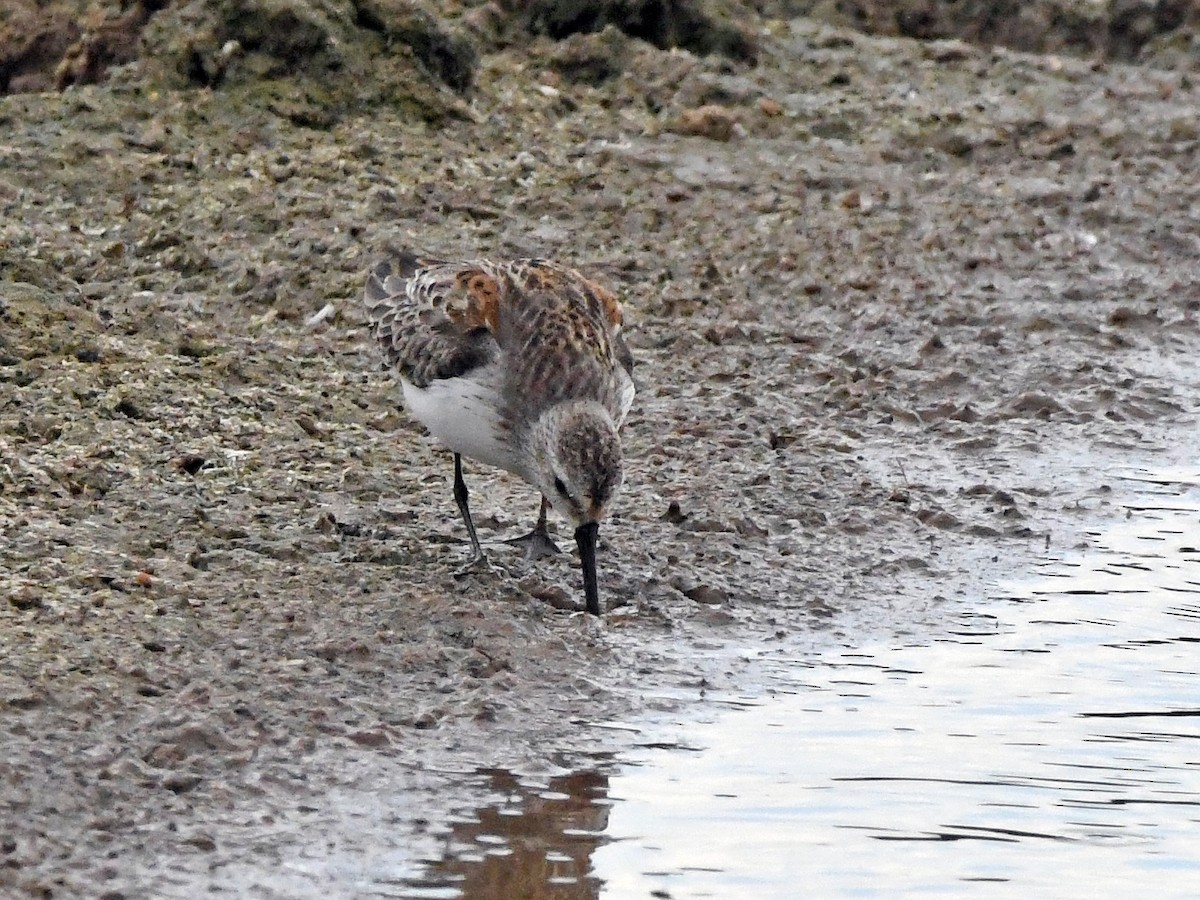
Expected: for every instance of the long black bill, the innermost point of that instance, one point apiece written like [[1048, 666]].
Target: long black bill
[[585, 536]]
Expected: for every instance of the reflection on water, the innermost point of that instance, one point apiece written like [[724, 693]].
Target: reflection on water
[[532, 838], [1047, 742]]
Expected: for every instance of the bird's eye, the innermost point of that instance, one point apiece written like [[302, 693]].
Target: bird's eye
[[560, 487]]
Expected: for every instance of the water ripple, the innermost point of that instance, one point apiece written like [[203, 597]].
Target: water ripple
[[1049, 743]]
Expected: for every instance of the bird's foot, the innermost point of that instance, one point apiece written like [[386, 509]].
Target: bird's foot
[[537, 545], [478, 565]]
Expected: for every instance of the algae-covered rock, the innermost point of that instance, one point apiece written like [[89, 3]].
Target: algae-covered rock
[[52, 45], [312, 61], [444, 53], [1115, 29], [592, 58], [702, 26]]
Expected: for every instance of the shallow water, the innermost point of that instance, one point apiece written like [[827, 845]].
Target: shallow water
[[1048, 741]]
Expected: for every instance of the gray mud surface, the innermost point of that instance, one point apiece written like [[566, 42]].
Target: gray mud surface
[[887, 300]]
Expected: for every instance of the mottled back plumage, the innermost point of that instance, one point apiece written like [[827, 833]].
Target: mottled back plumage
[[436, 320]]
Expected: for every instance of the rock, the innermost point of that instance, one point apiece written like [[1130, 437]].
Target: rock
[[555, 595], [312, 62], [1114, 30], [43, 47], [181, 783], [702, 26], [700, 592], [707, 594], [445, 54], [674, 514], [937, 518], [201, 841], [189, 462], [374, 737], [769, 107], [1036, 404], [711, 121], [592, 58]]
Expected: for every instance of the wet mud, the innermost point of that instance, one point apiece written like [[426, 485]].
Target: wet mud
[[882, 294]]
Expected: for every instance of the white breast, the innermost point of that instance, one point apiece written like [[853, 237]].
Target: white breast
[[464, 414]]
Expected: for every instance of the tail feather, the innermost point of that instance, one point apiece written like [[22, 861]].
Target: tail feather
[[408, 263], [390, 276], [380, 283]]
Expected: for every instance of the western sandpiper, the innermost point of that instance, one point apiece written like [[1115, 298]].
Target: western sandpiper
[[517, 364]]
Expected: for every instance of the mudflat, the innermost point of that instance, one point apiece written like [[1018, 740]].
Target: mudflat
[[881, 293]]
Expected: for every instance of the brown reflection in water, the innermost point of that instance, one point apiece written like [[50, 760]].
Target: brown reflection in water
[[534, 844]]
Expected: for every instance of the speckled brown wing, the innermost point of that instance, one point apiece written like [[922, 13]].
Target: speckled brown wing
[[433, 320], [570, 327]]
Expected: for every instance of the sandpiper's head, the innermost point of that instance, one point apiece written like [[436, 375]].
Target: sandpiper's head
[[578, 457], [578, 469]]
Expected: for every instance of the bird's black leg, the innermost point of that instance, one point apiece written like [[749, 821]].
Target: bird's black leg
[[538, 543], [460, 497]]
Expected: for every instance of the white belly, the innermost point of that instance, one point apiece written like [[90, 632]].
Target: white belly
[[625, 394], [464, 414]]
